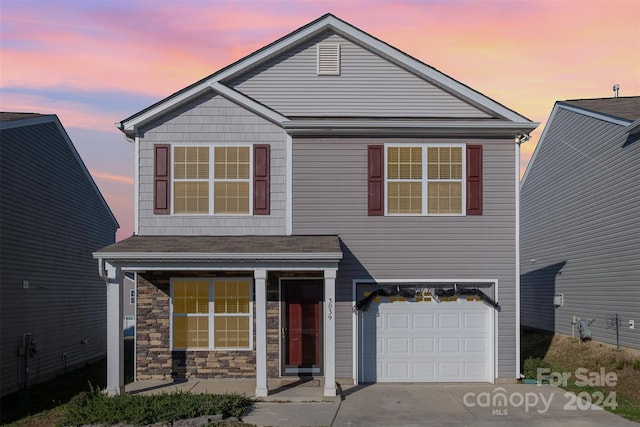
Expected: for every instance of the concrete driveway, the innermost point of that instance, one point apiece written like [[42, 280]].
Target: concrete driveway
[[440, 405]]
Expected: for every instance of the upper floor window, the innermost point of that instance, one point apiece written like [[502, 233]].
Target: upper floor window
[[424, 179], [203, 186]]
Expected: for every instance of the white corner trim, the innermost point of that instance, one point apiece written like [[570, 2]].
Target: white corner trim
[[289, 186], [136, 186]]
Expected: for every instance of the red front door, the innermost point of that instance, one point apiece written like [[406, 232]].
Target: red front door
[[302, 326]]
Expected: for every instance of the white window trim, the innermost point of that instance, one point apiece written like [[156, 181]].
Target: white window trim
[[212, 180], [425, 181], [211, 314]]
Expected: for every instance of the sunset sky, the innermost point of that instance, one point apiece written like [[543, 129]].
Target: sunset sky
[[94, 63]]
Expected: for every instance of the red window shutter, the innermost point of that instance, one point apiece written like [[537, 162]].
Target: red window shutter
[[162, 180], [376, 180], [474, 179], [261, 182]]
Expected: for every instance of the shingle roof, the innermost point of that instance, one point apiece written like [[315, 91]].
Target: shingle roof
[[225, 245], [625, 107], [8, 116]]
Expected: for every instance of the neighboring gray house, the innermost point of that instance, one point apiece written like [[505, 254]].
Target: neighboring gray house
[[580, 236], [52, 217], [281, 191]]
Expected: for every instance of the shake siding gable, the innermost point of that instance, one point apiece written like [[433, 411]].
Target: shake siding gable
[[368, 86], [212, 119]]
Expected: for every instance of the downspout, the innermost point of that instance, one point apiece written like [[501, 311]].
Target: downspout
[[521, 138]]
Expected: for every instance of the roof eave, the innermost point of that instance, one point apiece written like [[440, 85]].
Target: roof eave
[[408, 127]]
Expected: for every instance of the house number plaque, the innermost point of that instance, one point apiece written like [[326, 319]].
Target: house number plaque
[[330, 309]]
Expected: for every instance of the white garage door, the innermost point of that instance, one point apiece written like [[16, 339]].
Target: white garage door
[[426, 341]]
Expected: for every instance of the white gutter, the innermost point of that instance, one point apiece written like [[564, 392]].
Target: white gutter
[[441, 127]]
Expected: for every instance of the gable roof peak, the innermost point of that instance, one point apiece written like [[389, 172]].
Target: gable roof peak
[[327, 21]]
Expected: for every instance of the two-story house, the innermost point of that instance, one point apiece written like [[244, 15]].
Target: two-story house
[[327, 206], [52, 218]]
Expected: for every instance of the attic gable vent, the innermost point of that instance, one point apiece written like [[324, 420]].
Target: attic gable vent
[[328, 59]]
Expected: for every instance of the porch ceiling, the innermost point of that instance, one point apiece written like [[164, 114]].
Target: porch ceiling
[[215, 252]]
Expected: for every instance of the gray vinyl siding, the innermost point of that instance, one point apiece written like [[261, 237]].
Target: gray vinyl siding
[[51, 220], [330, 197], [210, 120], [580, 210], [368, 86]]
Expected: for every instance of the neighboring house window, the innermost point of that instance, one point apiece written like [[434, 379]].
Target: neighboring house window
[[132, 297], [424, 180], [211, 314], [228, 193]]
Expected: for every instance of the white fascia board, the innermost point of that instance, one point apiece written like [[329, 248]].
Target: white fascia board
[[248, 103], [195, 91], [182, 256], [380, 126]]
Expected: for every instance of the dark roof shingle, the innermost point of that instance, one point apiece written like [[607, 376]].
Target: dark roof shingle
[[226, 245], [624, 107]]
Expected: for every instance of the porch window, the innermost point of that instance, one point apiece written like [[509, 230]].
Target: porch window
[[221, 186], [424, 179], [211, 314]]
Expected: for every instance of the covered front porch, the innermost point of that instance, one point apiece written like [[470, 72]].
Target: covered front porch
[[215, 306]]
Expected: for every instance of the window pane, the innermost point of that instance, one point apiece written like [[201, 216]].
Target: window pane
[[190, 297], [444, 163], [191, 163], [231, 197], [231, 331], [232, 296], [404, 163], [191, 197], [191, 332], [231, 162], [404, 197], [445, 197]]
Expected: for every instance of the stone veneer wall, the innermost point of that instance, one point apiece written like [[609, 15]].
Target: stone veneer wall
[[155, 360]]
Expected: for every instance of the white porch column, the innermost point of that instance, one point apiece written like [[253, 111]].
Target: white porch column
[[115, 334], [330, 332], [260, 277]]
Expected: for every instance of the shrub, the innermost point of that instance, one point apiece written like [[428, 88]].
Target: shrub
[[97, 408], [531, 366]]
